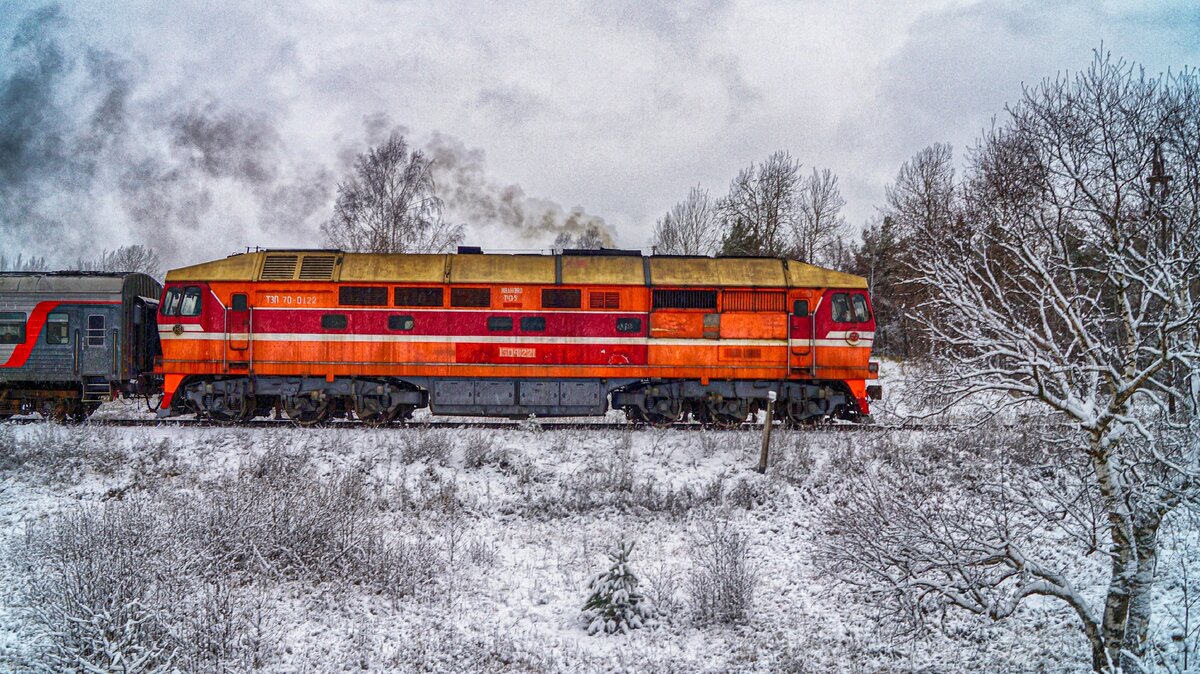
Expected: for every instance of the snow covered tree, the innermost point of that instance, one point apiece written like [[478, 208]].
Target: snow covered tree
[[1072, 285], [615, 604]]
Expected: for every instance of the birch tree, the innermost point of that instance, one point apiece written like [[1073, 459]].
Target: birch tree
[[389, 205], [1073, 285]]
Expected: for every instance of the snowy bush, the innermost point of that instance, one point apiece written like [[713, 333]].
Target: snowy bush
[[616, 604], [422, 443], [723, 578]]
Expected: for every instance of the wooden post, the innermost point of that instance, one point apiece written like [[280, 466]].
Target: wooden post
[[766, 443]]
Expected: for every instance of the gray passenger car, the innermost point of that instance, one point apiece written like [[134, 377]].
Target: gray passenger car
[[71, 340]]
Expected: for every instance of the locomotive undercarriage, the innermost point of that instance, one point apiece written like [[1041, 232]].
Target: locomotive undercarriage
[[311, 400]]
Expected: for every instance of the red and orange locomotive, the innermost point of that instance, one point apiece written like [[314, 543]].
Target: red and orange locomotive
[[320, 333]]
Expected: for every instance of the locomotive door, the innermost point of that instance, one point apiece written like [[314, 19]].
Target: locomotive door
[[238, 326], [801, 336]]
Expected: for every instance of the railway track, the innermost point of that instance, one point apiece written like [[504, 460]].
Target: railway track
[[487, 425]]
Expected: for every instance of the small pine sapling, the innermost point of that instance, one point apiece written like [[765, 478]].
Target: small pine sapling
[[615, 604]]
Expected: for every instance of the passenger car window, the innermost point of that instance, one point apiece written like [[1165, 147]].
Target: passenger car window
[[629, 325], [170, 305], [499, 323], [533, 324], [333, 322], [95, 330], [859, 304], [58, 329], [190, 306], [12, 327], [400, 322]]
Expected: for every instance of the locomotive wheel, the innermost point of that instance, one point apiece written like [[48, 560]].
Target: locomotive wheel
[[663, 412], [229, 409], [728, 413], [373, 411], [796, 411], [305, 411]]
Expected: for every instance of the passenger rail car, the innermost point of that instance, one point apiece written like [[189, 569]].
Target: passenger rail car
[[71, 340], [320, 333]]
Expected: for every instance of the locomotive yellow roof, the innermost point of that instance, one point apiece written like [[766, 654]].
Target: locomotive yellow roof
[[330, 265]]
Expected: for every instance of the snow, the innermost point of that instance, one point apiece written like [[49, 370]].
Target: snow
[[519, 535]]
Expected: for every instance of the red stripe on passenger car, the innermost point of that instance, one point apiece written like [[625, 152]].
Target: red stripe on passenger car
[[33, 329]]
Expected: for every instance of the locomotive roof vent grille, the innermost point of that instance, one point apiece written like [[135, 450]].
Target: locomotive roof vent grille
[[279, 267], [317, 268]]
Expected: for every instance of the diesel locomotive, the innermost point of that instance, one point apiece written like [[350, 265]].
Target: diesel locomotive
[[72, 340], [321, 333]]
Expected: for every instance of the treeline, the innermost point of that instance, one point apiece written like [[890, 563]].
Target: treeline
[[775, 208]]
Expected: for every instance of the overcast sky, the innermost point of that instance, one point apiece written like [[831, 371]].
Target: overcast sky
[[201, 128]]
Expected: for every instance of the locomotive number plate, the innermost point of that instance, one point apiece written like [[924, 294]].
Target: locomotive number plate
[[517, 352], [291, 300]]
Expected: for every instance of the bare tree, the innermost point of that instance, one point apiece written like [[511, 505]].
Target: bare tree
[[22, 263], [1071, 284], [135, 258], [762, 207], [922, 200], [691, 227], [591, 238], [389, 205], [819, 226]]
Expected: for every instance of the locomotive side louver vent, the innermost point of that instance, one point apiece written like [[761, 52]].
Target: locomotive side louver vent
[[279, 268], [604, 300], [316, 268], [753, 300]]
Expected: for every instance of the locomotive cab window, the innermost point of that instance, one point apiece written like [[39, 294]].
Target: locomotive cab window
[[858, 306], [629, 325], [499, 323], [190, 306], [333, 322], [12, 327], [58, 329], [95, 330], [170, 304], [800, 308], [533, 324], [848, 308], [239, 302], [400, 322]]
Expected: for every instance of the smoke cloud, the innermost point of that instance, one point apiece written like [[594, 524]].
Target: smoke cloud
[[473, 197], [95, 156]]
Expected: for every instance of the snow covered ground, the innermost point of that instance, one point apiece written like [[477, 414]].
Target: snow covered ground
[[491, 537]]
